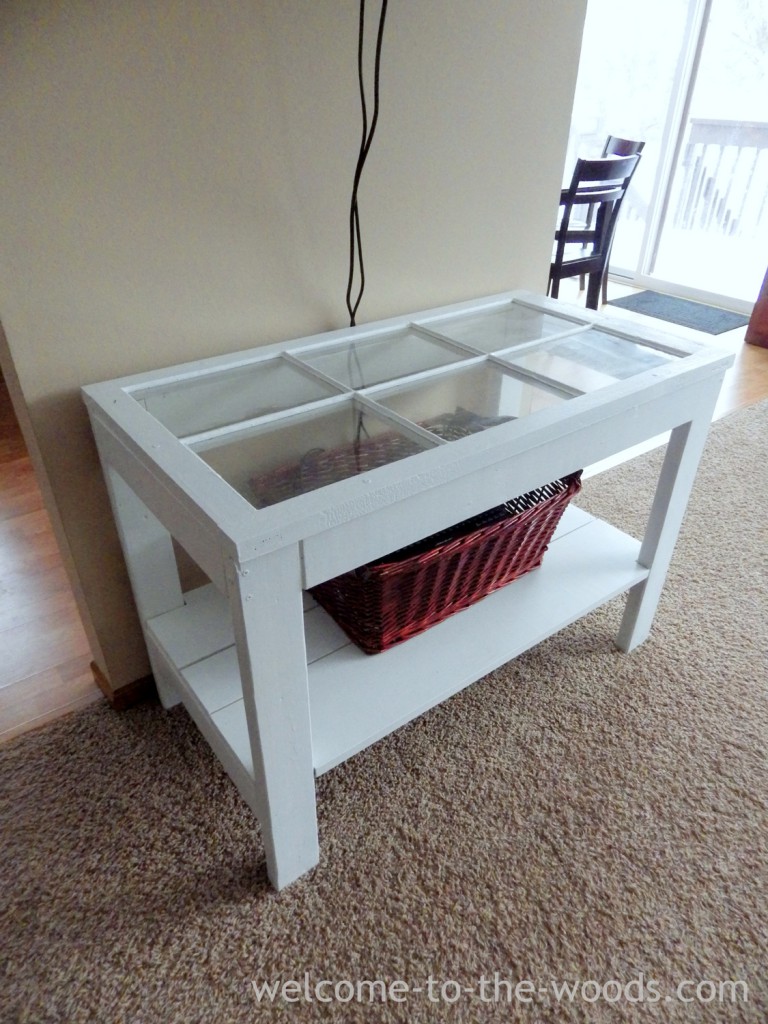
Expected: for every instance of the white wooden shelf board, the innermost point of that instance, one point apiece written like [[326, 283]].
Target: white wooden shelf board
[[226, 732], [202, 626], [356, 699], [197, 629]]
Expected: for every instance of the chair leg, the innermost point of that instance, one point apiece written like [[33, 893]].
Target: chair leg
[[605, 287], [593, 290]]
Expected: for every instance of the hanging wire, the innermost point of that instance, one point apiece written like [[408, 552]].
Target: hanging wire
[[355, 235]]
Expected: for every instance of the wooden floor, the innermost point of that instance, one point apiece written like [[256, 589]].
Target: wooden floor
[[44, 654]]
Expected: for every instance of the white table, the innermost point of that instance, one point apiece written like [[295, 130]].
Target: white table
[[271, 681]]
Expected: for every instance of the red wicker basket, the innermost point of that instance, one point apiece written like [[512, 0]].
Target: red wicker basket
[[392, 599], [400, 595]]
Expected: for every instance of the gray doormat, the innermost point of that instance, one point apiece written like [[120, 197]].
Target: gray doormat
[[709, 319]]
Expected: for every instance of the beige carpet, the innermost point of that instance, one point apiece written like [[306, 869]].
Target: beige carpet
[[579, 816]]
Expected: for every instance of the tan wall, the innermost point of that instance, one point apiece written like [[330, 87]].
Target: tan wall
[[175, 183]]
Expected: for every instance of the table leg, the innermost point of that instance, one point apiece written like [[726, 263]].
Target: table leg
[[151, 562], [681, 461], [266, 600]]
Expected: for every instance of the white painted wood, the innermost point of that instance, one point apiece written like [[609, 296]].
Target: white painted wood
[[165, 683], [231, 722], [199, 536], [356, 699], [270, 680], [202, 627], [572, 519], [196, 629], [467, 476], [188, 478], [681, 461], [151, 564], [225, 740], [148, 551], [430, 503], [216, 681], [322, 634], [198, 637], [267, 611]]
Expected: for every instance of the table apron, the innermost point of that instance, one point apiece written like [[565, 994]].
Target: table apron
[[409, 519]]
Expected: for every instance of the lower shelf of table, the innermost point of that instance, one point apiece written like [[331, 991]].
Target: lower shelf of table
[[356, 699]]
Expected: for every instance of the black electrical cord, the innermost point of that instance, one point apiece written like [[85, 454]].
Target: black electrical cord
[[355, 235]]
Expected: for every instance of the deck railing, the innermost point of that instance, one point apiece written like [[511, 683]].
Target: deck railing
[[724, 185]]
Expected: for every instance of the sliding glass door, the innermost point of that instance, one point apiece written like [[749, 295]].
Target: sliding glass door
[[690, 78], [714, 234]]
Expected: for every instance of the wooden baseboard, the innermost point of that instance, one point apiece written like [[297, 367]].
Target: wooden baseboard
[[126, 696]]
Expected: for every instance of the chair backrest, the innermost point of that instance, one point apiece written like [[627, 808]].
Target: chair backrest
[[616, 146], [597, 186], [600, 183]]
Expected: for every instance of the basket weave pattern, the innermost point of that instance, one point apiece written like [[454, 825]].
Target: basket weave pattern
[[396, 597], [322, 466], [392, 599]]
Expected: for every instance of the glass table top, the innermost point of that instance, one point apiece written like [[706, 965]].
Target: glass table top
[[497, 329], [589, 360], [326, 410], [308, 451], [466, 401], [360, 364], [199, 404]]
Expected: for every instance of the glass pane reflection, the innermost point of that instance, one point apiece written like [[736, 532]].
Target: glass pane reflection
[[198, 404], [590, 360], [360, 364], [467, 401], [307, 451], [497, 329]]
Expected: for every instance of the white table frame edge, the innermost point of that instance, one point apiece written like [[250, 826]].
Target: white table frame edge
[[261, 578]]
